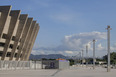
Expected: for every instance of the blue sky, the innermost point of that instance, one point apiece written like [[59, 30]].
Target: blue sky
[[64, 24]]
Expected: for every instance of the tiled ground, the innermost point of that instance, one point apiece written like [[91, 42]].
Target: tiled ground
[[72, 72]]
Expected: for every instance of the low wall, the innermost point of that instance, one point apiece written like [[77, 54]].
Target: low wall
[[50, 64], [64, 64], [56, 64], [13, 65]]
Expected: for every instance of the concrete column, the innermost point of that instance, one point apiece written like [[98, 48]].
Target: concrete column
[[108, 48], [21, 26], [24, 35], [82, 57], [5, 10], [14, 18], [33, 41], [86, 55], [93, 53], [29, 43], [24, 45]]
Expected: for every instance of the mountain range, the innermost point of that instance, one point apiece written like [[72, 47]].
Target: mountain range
[[50, 56]]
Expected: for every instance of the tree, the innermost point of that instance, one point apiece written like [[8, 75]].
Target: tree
[[112, 58], [71, 62]]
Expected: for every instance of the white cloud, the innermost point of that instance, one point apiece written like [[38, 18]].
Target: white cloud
[[79, 41], [60, 52], [35, 52], [68, 52], [72, 44], [100, 47]]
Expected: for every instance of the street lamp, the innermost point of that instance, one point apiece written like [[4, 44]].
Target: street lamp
[[93, 53], [82, 58], [108, 47], [86, 55]]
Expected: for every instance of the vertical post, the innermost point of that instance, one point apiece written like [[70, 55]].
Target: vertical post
[[93, 53], [86, 55], [41, 63], [108, 46], [75, 61], [35, 64], [82, 58]]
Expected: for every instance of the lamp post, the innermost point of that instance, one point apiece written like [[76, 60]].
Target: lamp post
[[93, 53], [82, 58], [86, 55], [108, 47]]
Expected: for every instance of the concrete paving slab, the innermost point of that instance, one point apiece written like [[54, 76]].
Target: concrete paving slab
[[72, 72]]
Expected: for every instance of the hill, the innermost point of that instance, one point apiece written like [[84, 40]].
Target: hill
[[50, 56]]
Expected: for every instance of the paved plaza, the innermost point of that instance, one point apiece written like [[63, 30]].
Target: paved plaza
[[72, 72]]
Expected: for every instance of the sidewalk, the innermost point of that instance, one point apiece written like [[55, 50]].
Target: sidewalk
[[72, 72]]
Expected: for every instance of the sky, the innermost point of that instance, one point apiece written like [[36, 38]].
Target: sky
[[67, 26]]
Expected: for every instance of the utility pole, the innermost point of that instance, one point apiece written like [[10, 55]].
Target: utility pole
[[108, 47], [93, 53], [86, 55]]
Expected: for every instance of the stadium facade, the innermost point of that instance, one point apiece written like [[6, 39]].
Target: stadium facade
[[17, 34]]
